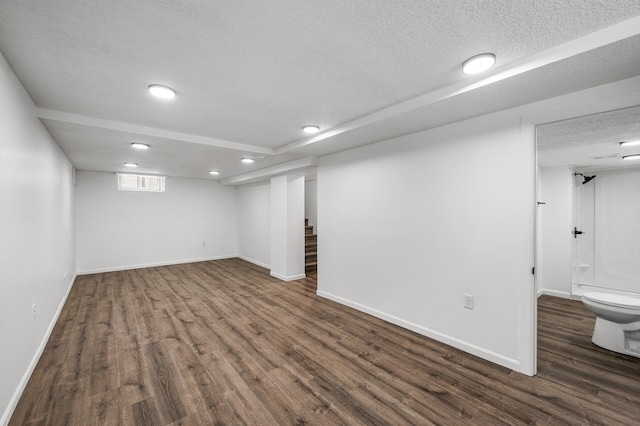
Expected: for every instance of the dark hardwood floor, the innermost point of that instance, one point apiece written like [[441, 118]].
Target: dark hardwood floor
[[222, 342]]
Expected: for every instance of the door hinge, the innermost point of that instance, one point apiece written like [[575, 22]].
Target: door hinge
[[533, 270]]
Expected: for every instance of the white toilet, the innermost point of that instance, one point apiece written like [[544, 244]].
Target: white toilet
[[617, 321]]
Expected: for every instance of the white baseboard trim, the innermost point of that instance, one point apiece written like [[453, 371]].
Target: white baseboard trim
[[555, 293], [152, 265], [288, 278], [451, 341], [6, 416], [255, 262]]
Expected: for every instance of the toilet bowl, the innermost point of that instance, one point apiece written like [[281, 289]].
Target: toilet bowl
[[617, 322]]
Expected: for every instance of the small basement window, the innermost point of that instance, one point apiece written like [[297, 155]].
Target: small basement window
[[127, 182]]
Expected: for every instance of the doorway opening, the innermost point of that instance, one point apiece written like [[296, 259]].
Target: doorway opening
[[587, 232]]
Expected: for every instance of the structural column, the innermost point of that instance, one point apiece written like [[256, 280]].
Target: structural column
[[287, 227]]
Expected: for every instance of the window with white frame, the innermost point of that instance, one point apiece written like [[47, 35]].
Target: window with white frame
[[145, 183]]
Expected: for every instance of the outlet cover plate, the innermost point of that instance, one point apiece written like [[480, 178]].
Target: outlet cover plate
[[468, 301]]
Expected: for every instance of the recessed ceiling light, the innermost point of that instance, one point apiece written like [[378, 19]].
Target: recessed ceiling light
[[138, 145], [311, 129], [479, 63], [131, 165], [163, 92], [247, 160], [630, 143], [631, 157], [214, 172]]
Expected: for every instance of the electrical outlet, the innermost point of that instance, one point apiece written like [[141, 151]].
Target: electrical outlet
[[468, 301], [33, 312], [204, 243]]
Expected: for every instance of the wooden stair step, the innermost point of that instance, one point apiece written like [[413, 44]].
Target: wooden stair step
[[310, 248]]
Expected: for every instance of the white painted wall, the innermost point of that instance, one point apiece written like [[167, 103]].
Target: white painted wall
[[311, 203], [37, 238], [125, 229], [295, 227], [254, 223], [287, 227], [412, 224], [554, 261]]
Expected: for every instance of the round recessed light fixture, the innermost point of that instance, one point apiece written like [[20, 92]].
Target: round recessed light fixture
[[247, 160], [630, 143], [311, 129], [139, 145], [214, 172], [478, 63], [163, 92], [631, 157], [132, 165]]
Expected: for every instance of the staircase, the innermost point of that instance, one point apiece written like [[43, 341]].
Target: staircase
[[310, 248]]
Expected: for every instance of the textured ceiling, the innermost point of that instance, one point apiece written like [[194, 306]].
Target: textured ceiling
[[591, 142], [251, 74], [105, 150], [607, 64]]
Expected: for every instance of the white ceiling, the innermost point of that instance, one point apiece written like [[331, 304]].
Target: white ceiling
[[591, 142], [250, 74]]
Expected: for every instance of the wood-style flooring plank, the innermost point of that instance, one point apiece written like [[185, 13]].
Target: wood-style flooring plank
[[222, 342]]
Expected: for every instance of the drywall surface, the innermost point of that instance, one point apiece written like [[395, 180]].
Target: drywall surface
[[311, 203], [411, 225], [287, 227], [195, 219], [554, 253], [254, 223], [37, 241]]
